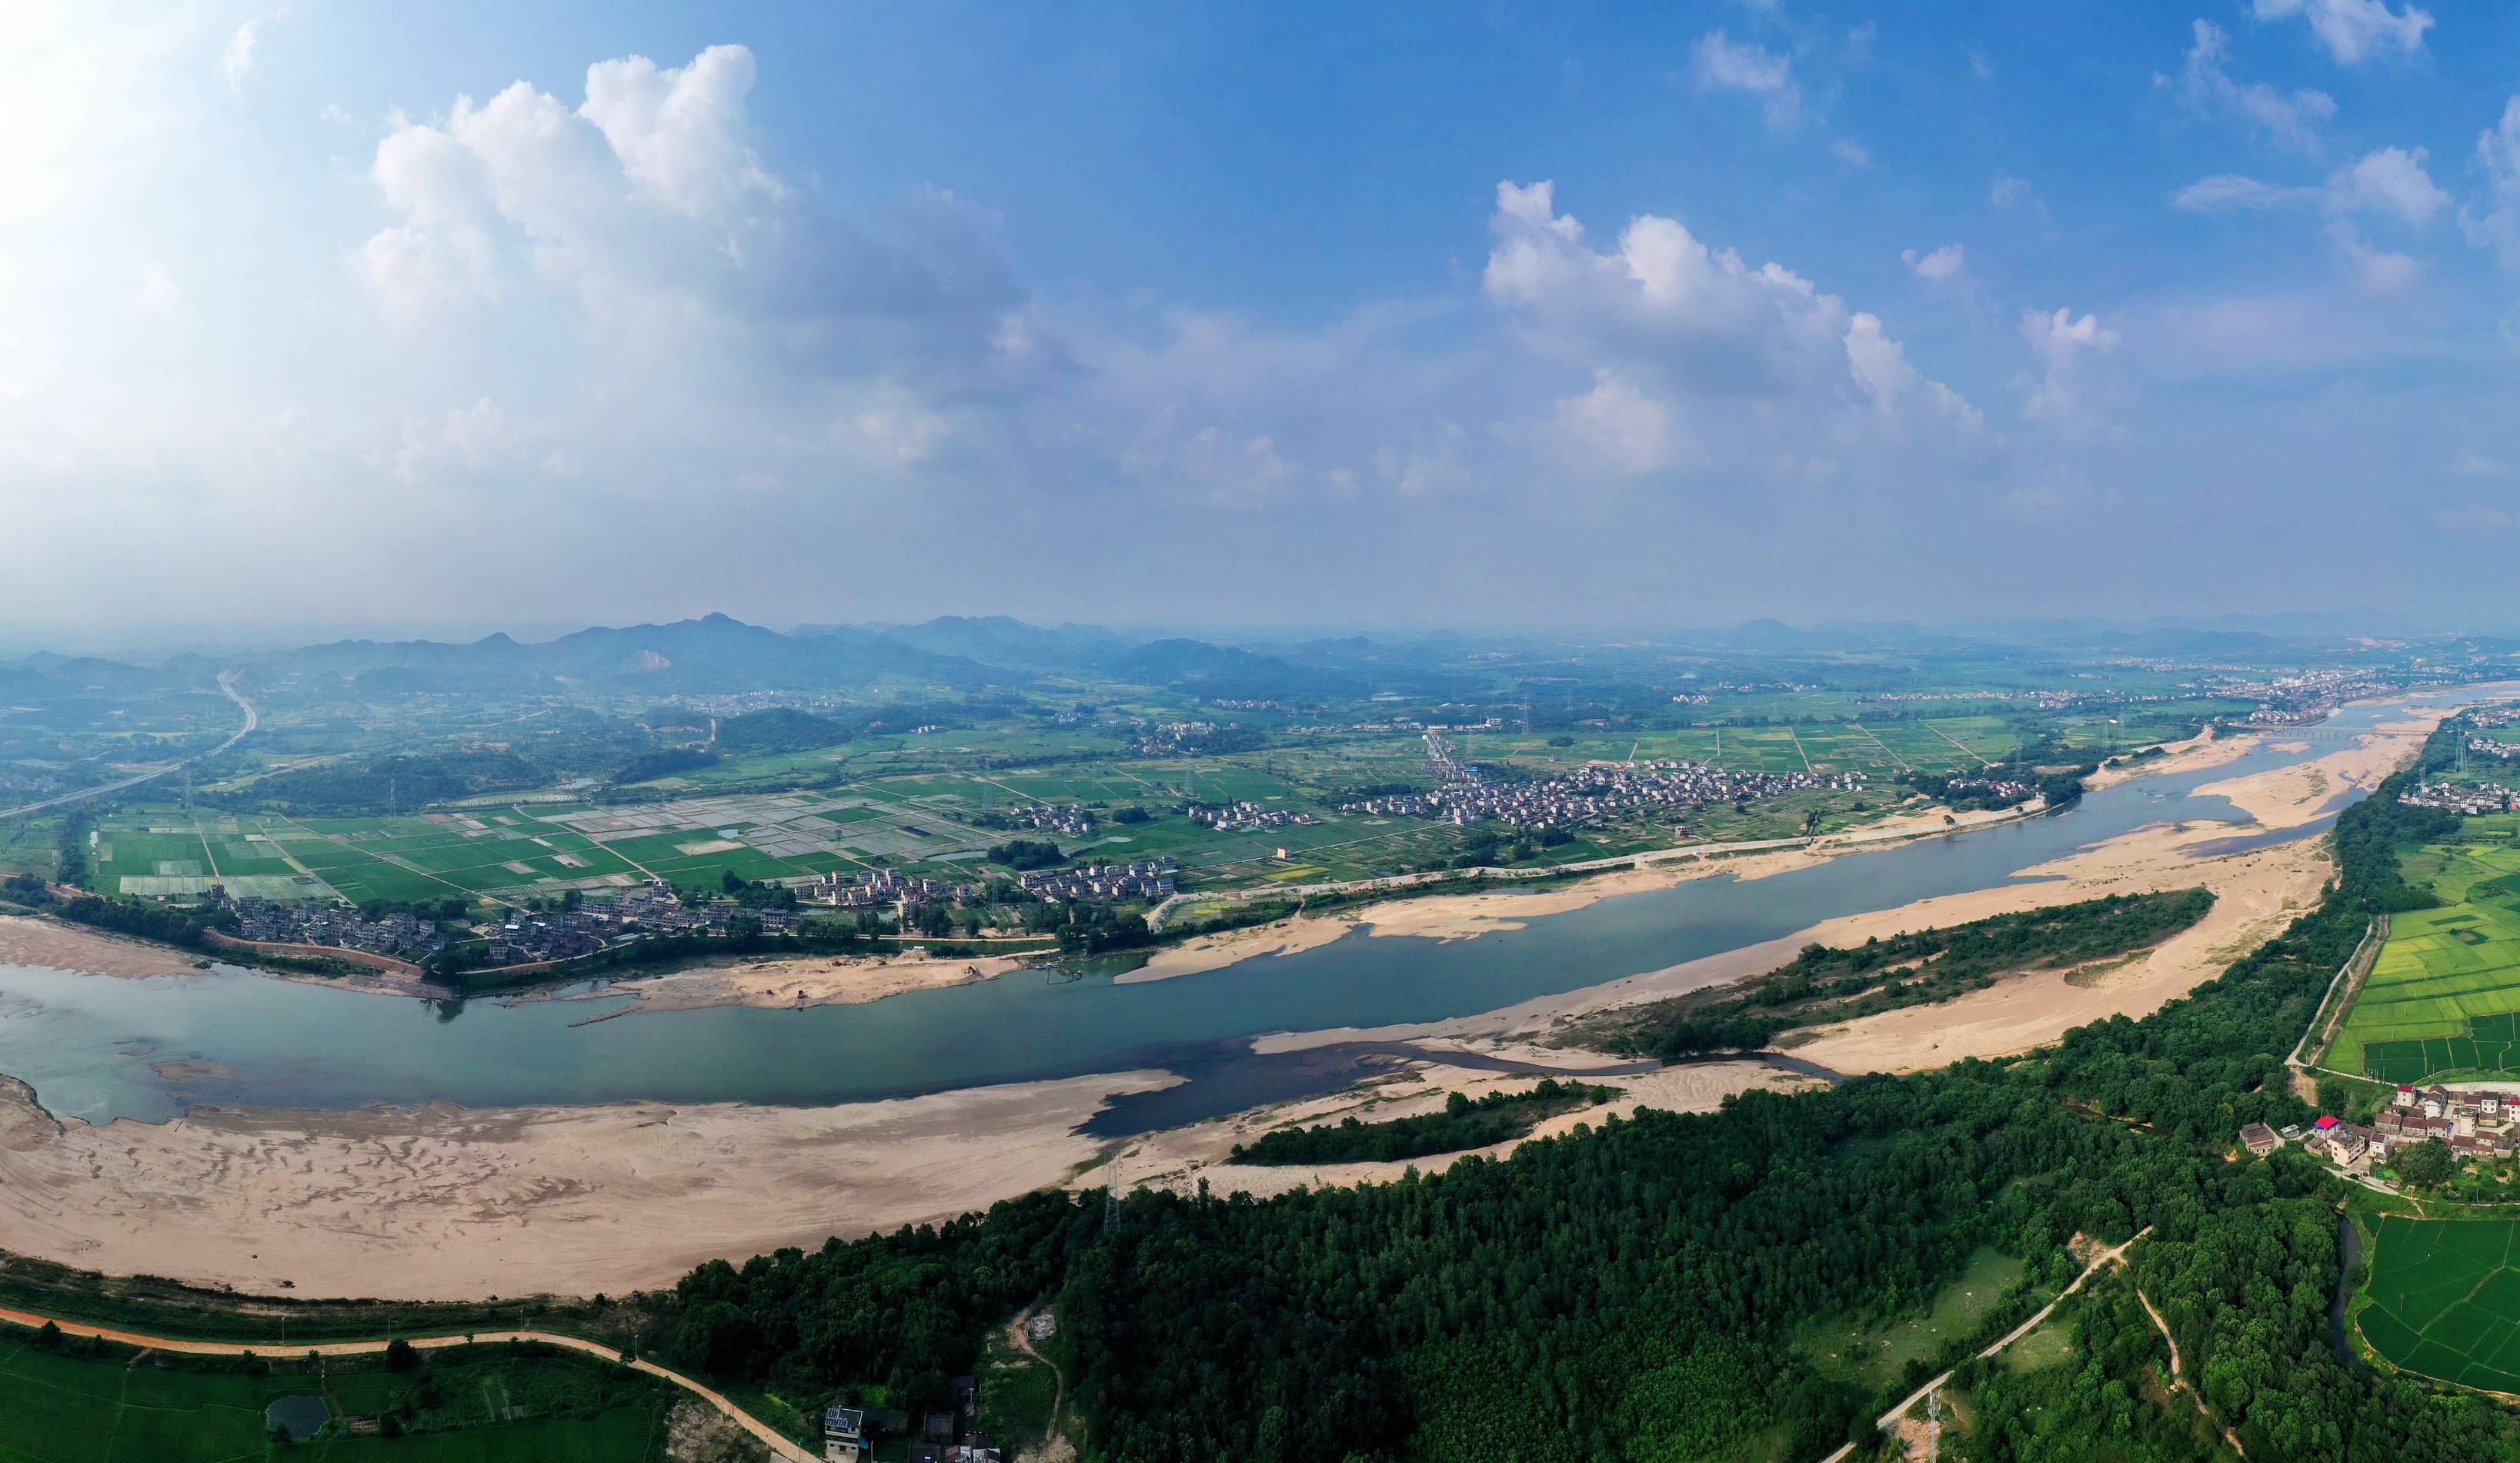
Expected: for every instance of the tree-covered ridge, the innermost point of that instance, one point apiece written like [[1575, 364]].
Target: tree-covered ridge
[[1824, 983], [1631, 1291], [1465, 1123]]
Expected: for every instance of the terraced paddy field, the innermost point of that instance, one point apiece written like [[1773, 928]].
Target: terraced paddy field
[[2443, 1300], [2444, 997]]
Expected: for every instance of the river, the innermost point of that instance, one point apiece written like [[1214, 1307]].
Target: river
[[92, 1046]]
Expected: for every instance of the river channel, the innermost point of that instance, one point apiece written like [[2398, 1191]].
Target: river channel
[[92, 1046]]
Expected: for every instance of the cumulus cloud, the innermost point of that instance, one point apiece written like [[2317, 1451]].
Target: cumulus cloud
[[1718, 63], [1686, 343], [650, 204], [2392, 182], [2205, 84], [2495, 221], [1939, 266], [2353, 30], [2065, 394]]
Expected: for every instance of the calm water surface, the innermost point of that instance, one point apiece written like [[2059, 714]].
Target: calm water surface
[[93, 1046]]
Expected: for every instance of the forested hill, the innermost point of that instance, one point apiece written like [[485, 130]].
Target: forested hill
[[1629, 1292]]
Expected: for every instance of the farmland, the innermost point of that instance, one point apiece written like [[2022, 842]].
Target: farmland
[[932, 805], [2445, 993], [60, 1407], [2443, 1300]]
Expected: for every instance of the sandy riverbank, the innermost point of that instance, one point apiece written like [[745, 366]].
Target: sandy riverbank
[[441, 1203], [53, 945], [2256, 894], [2206, 749], [2290, 797], [796, 981], [1180, 1159], [1464, 915]]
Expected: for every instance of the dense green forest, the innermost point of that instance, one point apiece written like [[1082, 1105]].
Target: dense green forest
[[1464, 1124], [1629, 1292], [1826, 984]]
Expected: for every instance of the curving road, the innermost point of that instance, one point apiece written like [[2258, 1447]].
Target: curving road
[[253, 719], [777, 1443]]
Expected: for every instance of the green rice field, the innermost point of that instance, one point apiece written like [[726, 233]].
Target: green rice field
[[2444, 995], [60, 1408], [2443, 1300]]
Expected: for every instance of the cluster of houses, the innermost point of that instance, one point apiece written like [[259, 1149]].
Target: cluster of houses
[[1072, 820], [2008, 788], [884, 888], [1244, 817], [402, 936], [1587, 794], [2466, 802], [2495, 715], [2494, 747], [1164, 738], [849, 1430], [610, 916], [1146, 879], [2471, 1125]]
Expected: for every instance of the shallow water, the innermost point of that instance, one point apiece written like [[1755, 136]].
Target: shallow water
[[96, 1047]]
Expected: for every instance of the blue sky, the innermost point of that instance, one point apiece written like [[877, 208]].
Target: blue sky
[[467, 315]]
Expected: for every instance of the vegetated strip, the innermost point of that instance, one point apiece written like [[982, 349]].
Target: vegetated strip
[[1465, 1123], [1826, 984], [769, 1435]]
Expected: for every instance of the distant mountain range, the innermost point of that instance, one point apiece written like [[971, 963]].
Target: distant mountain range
[[719, 654]]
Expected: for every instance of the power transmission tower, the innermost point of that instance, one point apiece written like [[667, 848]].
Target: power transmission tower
[[1934, 1427]]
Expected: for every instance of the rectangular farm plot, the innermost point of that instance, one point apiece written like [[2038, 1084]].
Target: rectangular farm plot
[[2443, 1300], [2444, 996]]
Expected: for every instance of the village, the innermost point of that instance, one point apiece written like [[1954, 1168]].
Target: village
[[2466, 802], [1587, 795], [2479, 1124]]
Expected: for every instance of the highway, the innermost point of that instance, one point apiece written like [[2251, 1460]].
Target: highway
[[252, 720]]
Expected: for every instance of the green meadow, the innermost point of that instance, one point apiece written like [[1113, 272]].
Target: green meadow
[[58, 1407]]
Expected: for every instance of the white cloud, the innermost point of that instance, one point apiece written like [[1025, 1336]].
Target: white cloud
[[2064, 394], [650, 204], [239, 59], [2205, 84], [2378, 271], [1736, 361], [1720, 64], [1617, 426], [2353, 30], [2496, 223], [159, 293], [1941, 267], [2224, 191], [2392, 182], [2470, 519], [1852, 153]]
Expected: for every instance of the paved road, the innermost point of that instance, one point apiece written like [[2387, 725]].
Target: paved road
[[1890, 1419], [777, 1443], [253, 719]]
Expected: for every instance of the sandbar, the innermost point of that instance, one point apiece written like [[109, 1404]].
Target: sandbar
[[444, 1203]]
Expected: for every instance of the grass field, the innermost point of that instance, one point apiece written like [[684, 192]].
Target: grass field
[[2445, 993], [1876, 1356], [60, 1408], [2443, 1300]]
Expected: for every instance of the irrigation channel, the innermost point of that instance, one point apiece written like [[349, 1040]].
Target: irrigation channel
[[99, 1049]]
